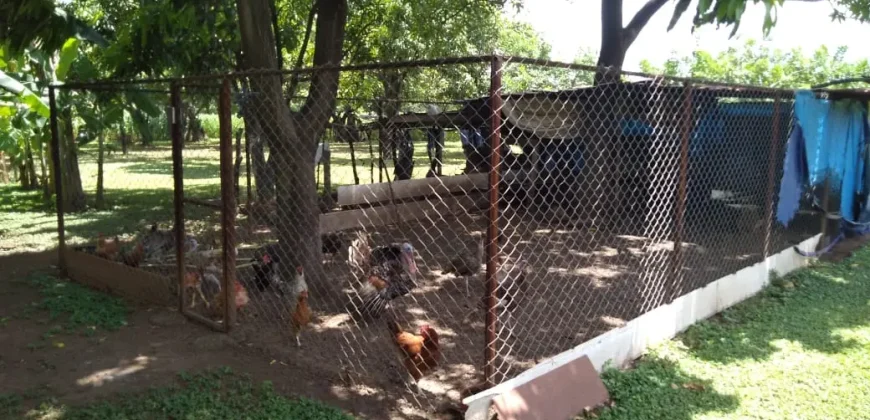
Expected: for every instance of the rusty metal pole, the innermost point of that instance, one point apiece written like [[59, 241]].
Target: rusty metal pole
[[495, 104], [228, 203], [248, 170], [682, 186], [58, 182], [178, 189], [771, 177]]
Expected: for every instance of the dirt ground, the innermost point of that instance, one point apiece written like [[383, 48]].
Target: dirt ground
[[580, 283], [155, 346]]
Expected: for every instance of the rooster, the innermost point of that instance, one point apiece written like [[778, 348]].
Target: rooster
[[301, 315], [389, 273], [422, 351]]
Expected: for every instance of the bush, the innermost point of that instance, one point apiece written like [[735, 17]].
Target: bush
[[211, 125]]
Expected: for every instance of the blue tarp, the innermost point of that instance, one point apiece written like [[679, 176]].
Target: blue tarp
[[834, 134]]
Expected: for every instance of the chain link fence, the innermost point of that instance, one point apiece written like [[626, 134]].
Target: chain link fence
[[442, 226]]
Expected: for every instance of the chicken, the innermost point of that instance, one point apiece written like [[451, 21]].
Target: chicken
[[422, 351], [159, 243], [509, 291], [388, 271], [211, 287], [332, 243], [135, 257], [265, 262], [108, 248], [301, 315], [205, 281], [466, 264]]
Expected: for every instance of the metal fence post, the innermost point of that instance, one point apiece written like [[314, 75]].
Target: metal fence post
[[58, 181], [682, 186], [228, 204], [178, 190], [495, 104], [771, 177]]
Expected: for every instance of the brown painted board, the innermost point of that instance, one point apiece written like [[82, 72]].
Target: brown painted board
[[133, 284], [560, 394]]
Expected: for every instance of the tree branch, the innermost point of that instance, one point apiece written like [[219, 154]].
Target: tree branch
[[276, 30], [300, 59], [640, 19], [328, 50]]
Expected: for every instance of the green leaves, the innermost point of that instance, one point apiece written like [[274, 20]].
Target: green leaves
[[68, 54], [25, 95], [754, 64]]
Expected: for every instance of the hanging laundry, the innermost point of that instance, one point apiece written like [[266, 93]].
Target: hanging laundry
[[833, 134], [794, 175]]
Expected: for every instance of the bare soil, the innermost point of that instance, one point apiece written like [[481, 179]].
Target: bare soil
[[583, 282], [157, 344]]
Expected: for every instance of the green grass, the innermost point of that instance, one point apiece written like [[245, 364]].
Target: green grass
[[138, 191], [215, 394], [80, 308], [799, 350]]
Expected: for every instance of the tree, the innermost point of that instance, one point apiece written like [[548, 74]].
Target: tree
[[293, 136], [616, 38], [753, 64]]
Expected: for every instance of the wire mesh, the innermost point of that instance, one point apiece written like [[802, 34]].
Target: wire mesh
[[369, 236], [113, 150]]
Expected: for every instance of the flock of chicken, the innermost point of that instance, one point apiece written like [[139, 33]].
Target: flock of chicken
[[387, 273]]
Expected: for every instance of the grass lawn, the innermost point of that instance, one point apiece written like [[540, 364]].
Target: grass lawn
[[138, 190], [799, 350]]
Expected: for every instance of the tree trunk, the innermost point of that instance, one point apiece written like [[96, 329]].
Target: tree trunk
[[124, 140], [4, 169], [73, 193], [22, 175], [392, 82], [43, 176], [292, 138], [606, 133], [33, 180], [353, 160], [263, 175], [100, 200]]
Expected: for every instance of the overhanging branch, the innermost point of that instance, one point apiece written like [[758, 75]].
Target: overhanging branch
[[640, 19]]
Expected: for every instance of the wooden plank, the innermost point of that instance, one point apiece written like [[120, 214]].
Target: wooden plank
[[378, 193], [134, 284], [378, 216]]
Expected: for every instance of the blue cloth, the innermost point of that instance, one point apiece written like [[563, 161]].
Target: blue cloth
[[471, 137], [794, 172], [561, 159], [834, 139], [834, 134]]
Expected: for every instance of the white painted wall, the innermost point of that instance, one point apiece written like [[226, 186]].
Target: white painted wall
[[629, 342]]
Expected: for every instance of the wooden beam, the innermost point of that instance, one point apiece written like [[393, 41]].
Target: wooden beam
[[378, 216], [353, 195]]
